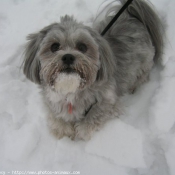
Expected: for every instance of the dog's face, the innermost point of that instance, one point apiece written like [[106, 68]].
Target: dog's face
[[71, 48], [71, 52]]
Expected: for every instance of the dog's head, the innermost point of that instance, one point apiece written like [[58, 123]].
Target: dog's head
[[68, 48]]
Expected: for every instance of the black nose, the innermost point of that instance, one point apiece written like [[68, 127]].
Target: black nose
[[68, 59]]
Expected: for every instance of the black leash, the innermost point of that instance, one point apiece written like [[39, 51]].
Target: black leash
[[116, 17]]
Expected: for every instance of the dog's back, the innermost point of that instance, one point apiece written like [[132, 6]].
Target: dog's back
[[136, 39], [145, 14]]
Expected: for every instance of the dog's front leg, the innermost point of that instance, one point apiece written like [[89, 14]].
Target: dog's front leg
[[60, 128], [95, 119]]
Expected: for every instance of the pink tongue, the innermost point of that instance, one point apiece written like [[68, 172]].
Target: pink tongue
[[70, 108]]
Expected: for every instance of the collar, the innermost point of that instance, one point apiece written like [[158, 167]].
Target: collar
[[70, 108]]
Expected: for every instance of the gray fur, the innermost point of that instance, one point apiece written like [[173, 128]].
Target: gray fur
[[112, 66], [145, 14]]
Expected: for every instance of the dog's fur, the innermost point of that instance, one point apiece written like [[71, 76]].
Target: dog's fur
[[112, 65]]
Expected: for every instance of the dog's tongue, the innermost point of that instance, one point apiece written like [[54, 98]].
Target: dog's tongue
[[67, 83], [70, 107]]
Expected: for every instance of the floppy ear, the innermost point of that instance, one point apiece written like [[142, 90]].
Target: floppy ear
[[31, 67], [107, 59], [31, 63], [108, 64]]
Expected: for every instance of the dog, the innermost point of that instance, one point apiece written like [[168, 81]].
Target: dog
[[83, 74]]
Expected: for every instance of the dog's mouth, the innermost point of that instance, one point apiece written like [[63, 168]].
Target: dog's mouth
[[69, 71]]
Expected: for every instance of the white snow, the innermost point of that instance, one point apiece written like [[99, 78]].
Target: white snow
[[67, 83], [140, 142], [170, 155], [118, 141], [163, 115]]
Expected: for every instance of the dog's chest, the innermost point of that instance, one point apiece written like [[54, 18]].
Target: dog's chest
[[71, 107]]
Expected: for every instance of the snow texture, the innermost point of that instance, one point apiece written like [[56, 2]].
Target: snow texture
[[140, 142], [66, 83]]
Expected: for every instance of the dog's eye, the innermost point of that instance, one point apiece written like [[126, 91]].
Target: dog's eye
[[82, 47], [54, 47]]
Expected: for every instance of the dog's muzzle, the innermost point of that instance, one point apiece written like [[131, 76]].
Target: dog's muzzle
[[68, 59]]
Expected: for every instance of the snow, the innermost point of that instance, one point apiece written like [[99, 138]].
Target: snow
[[162, 114], [118, 141], [66, 83], [140, 142]]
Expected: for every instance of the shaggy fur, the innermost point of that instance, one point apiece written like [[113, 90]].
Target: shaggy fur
[[109, 67]]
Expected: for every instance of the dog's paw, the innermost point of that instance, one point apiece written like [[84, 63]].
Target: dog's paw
[[60, 128], [84, 130]]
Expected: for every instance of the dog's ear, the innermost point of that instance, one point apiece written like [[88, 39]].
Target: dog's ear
[[107, 60], [31, 67], [31, 63], [108, 64]]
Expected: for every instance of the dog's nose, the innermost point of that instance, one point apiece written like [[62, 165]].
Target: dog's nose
[[68, 59]]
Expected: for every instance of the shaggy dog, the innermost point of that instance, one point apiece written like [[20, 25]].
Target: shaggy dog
[[83, 74]]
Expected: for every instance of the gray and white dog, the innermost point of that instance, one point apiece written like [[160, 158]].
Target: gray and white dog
[[83, 75]]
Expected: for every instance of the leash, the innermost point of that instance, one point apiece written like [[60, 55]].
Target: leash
[[116, 17]]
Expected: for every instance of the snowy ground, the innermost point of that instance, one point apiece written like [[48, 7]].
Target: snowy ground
[[141, 142]]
